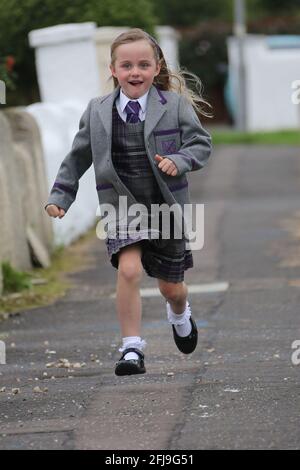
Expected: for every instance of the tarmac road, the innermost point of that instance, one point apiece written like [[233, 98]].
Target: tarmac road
[[238, 390]]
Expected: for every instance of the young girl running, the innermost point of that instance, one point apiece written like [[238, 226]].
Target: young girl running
[[142, 139]]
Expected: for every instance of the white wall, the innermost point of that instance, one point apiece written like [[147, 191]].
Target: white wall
[[269, 76], [58, 125]]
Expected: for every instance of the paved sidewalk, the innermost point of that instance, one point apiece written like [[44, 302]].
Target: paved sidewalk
[[238, 390]]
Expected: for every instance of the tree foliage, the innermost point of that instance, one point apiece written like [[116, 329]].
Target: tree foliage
[[276, 6], [19, 17], [190, 12]]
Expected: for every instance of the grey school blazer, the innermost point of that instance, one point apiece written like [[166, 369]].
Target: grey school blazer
[[171, 129]]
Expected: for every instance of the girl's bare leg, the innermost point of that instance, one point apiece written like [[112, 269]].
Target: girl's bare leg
[[128, 301]]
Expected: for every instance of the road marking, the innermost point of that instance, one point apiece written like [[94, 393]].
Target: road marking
[[193, 289]]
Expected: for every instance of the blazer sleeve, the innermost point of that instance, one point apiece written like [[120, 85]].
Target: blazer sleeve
[[195, 141], [74, 165]]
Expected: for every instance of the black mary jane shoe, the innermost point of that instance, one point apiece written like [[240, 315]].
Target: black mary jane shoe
[[130, 366], [187, 344]]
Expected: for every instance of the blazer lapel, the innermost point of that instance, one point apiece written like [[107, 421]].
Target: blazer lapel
[[105, 110], [155, 110]]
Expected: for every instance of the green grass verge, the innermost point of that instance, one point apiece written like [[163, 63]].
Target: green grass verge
[[286, 137], [20, 294], [13, 280]]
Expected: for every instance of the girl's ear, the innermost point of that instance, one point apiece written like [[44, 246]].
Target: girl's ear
[[112, 69], [158, 67]]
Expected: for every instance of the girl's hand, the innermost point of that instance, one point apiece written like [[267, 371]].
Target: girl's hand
[[166, 165], [55, 211]]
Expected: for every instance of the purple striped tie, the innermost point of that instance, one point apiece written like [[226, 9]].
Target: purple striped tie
[[132, 109]]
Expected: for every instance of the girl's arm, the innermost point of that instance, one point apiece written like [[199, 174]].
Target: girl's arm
[[196, 141], [75, 164]]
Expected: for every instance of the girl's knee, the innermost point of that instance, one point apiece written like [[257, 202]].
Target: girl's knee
[[130, 272], [130, 267], [172, 291]]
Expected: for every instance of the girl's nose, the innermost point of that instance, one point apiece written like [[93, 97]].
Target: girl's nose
[[135, 71]]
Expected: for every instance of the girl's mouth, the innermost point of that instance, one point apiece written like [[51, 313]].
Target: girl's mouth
[[135, 83]]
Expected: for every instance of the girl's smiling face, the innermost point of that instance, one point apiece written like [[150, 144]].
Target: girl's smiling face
[[135, 67]]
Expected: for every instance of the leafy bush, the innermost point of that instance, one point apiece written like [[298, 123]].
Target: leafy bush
[[7, 73]]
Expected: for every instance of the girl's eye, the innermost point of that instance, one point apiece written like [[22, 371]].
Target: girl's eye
[[126, 66], [145, 65]]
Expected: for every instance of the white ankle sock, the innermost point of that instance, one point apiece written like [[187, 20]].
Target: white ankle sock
[[132, 342], [181, 322]]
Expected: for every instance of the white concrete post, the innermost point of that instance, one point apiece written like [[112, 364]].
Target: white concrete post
[[168, 40], [66, 62], [2, 92], [2, 353]]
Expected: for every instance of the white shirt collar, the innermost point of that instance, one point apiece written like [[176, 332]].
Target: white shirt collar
[[142, 100]]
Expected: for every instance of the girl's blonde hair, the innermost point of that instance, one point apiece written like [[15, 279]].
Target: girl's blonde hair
[[165, 80]]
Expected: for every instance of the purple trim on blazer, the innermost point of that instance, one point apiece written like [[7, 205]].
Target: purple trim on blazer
[[101, 187], [194, 162], [163, 100], [176, 187], [65, 188], [167, 131]]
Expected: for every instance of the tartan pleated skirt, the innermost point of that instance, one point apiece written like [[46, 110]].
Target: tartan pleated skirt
[[162, 259]]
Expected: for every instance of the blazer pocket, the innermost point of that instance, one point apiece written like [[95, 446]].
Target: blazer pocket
[[167, 141]]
